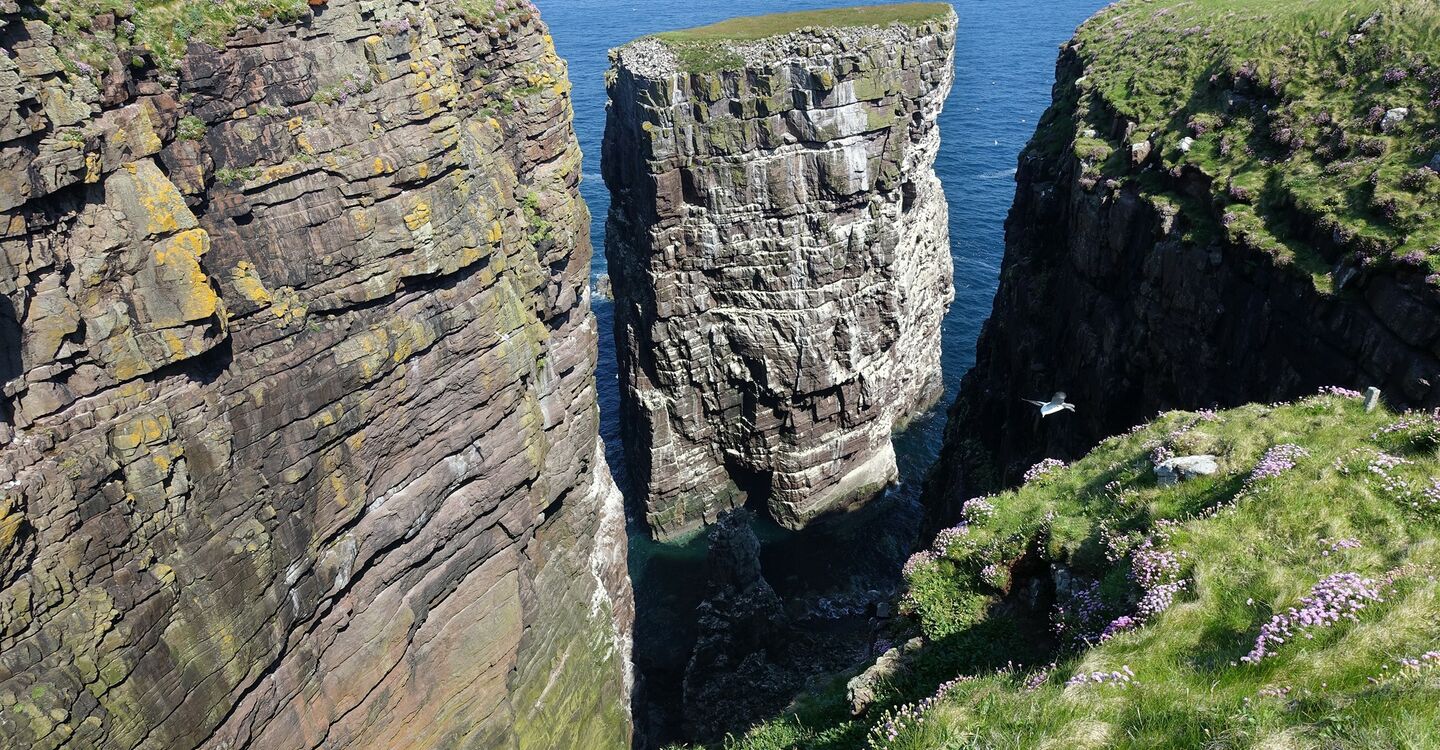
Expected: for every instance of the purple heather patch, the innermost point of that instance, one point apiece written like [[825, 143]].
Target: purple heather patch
[[1276, 461], [917, 561], [1341, 596], [947, 537], [977, 510], [1120, 677], [1157, 572], [1331, 546], [900, 718], [1043, 468], [1080, 617]]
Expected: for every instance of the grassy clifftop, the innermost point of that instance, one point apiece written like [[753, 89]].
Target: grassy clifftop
[[94, 32], [1288, 600], [775, 24], [1315, 122], [708, 48]]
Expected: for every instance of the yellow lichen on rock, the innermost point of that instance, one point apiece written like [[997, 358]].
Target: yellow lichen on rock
[[366, 352], [279, 171], [408, 336], [10, 520], [177, 261], [164, 573], [284, 303], [93, 171], [333, 170], [288, 306], [248, 283], [341, 487], [151, 202], [419, 216], [364, 221], [144, 429]]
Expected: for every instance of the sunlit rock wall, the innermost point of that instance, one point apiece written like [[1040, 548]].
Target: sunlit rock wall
[[779, 250], [298, 440]]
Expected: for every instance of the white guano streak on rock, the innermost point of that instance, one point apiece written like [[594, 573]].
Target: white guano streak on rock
[[780, 257]]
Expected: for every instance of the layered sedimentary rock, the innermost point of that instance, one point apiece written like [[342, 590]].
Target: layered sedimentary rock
[[298, 437], [778, 247], [1154, 269]]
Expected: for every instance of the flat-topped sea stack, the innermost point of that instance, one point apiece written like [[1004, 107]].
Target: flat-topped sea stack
[[778, 244]]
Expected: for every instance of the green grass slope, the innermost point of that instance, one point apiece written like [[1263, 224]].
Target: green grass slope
[[95, 32], [1293, 110], [759, 27], [1150, 640]]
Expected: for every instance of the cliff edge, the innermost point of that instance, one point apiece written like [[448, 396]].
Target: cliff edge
[[298, 437], [1227, 202], [779, 251], [1282, 594]]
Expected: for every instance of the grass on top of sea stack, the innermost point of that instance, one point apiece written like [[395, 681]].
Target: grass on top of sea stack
[[1289, 600], [1317, 123], [703, 48], [774, 24]]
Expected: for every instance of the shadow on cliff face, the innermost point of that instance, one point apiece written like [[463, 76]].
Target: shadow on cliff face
[[755, 649], [828, 577], [733, 623], [735, 673], [9, 353]]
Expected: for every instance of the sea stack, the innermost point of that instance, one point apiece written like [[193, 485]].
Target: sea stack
[[778, 244]]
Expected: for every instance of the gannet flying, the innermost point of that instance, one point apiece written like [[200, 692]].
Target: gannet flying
[[1054, 406]]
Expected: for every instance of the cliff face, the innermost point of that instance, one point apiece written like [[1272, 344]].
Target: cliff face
[[1252, 235], [779, 253], [298, 436]]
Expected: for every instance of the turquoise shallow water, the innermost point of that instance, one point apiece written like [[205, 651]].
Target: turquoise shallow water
[[1005, 57]]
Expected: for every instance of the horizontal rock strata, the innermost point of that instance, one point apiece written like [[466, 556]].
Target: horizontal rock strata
[[779, 252], [298, 440]]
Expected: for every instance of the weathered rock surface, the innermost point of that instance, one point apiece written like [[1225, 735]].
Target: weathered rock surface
[[865, 688], [778, 247], [1101, 296], [1173, 471], [298, 440]]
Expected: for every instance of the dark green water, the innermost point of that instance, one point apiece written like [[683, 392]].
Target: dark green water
[[1005, 56]]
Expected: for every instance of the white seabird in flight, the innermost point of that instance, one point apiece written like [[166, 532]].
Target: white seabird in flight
[[1054, 406]]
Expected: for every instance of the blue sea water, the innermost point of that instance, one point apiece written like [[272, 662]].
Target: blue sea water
[[1004, 68]]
